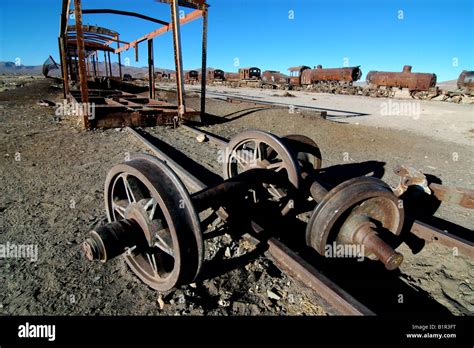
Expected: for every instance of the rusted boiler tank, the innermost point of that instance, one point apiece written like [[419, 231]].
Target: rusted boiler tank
[[466, 80], [404, 79], [311, 76]]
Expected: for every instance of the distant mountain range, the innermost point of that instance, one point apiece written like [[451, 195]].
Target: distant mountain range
[[10, 68]]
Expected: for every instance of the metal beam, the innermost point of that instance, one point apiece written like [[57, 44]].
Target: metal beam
[[204, 65], [81, 63], [105, 65], [160, 31], [124, 13], [178, 57], [94, 29], [110, 65], [151, 69], [64, 69], [119, 58]]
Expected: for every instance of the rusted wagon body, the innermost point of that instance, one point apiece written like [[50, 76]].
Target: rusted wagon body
[[311, 76], [162, 76], [295, 74], [191, 76], [304, 75], [229, 76], [215, 75], [274, 79], [466, 80], [404, 79], [252, 73]]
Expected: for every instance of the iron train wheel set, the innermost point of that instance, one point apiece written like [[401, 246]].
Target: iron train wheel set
[[153, 220]]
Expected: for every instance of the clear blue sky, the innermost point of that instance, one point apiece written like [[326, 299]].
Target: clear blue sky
[[430, 37]]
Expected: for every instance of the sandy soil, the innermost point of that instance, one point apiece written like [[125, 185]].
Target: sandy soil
[[52, 196]]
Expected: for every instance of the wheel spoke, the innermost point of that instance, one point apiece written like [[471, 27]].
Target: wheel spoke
[[152, 262], [241, 160], [164, 242], [257, 153], [277, 166], [153, 204], [128, 189], [119, 209], [275, 192]]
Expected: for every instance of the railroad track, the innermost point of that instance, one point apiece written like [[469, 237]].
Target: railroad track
[[134, 225], [235, 98]]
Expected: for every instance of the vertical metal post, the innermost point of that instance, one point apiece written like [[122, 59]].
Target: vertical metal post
[[151, 69], [110, 65], [136, 52], [81, 62], [119, 59], [178, 57], [87, 68], [93, 64], [70, 64], [63, 49], [204, 64], [105, 65], [64, 66]]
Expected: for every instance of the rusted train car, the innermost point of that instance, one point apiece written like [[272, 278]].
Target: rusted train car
[[214, 77], [466, 80], [414, 82], [191, 77], [252, 73], [322, 79], [274, 79]]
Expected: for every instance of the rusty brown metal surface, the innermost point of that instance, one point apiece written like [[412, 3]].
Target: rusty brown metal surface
[[191, 75], [454, 195], [177, 56], [310, 76], [276, 78], [288, 261], [434, 235], [216, 74], [466, 80], [252, 73], [230, 76], [404, 79], [160, 31], [81, 61]]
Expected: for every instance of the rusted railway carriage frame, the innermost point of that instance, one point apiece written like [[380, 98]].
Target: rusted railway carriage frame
[[466, 80], [82, 64], [405, 79]]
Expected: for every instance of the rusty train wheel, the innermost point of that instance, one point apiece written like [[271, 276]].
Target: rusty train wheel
[[258, 149], [364, 195], [305, 150], [147, 191]]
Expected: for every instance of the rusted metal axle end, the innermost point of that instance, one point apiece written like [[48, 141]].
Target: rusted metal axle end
[[112, 240], [362, 231]]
